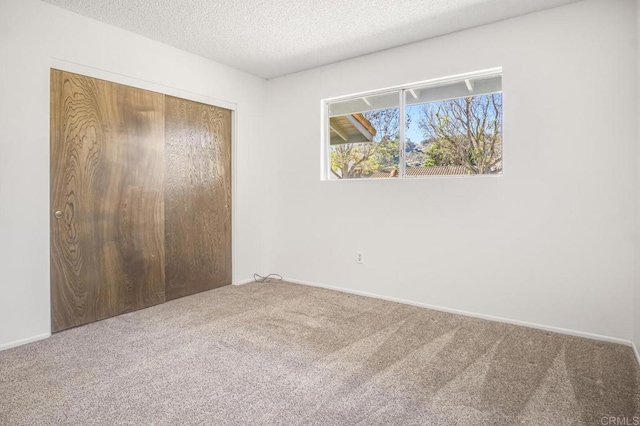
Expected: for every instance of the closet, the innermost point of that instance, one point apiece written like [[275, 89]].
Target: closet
[[197, 197], [140, 198]]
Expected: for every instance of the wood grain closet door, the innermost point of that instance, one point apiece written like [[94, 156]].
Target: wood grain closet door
[[197, 197], [107, 210]]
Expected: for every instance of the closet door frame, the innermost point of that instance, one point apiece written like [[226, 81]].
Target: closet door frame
[[68, 66]]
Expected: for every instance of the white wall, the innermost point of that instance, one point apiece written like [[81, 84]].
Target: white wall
[[636, 309], [547, 243], [31, 33]]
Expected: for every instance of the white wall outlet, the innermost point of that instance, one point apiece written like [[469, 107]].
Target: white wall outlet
[[359, 257]]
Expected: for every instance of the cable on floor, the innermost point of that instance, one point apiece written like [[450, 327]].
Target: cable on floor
[[265, 279]]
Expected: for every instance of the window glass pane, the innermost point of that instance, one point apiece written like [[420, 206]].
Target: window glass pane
[[452, 135], [364, 137]]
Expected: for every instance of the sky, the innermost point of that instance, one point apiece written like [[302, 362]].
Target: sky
[[413, 132]]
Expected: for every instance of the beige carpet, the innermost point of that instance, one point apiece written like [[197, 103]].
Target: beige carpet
[[279, 353]]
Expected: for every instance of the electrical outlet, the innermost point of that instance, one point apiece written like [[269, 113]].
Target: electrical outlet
[[359, 257]]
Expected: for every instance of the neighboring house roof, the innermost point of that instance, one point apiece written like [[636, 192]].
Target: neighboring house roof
[[436, 171], [351, 128], [425, 171]]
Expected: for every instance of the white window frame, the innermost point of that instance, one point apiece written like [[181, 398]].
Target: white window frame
[[402, 90]]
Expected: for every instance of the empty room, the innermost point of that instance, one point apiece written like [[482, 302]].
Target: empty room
[[359, 212]]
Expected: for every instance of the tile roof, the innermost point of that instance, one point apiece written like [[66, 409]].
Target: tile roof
[[426, 171]]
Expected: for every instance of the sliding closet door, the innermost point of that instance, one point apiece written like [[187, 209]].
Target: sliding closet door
[[197, 197], [107, 210]]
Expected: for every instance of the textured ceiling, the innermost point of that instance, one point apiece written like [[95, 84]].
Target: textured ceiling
[[271, 38]]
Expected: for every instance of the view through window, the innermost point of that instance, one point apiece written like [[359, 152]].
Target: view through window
[[451, 127]]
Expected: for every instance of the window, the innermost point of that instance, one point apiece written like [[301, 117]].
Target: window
[[449, 126]]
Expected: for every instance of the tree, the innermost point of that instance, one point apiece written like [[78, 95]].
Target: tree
[[353, 160], [465, 132], [435, 155]]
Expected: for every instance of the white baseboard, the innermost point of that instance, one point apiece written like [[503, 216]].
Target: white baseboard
[[242, 282], [21, 342], [475, 315], [635, 351]]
